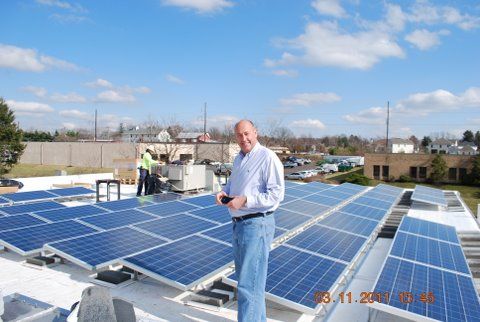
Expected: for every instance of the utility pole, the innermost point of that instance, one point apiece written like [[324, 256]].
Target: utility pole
[[95, 127], [205, 122], [388, 123]]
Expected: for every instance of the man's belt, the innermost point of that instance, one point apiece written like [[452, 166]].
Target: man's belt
[[249, 216]]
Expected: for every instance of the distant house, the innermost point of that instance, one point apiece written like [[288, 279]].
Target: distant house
[[442, 146], [192, 137], [463, 148], [395, 145], [137, 135]]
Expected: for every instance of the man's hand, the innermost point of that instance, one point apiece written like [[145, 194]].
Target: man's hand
[[237, 202], [218, 198]]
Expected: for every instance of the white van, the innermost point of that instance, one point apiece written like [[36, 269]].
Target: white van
[[328, 168]]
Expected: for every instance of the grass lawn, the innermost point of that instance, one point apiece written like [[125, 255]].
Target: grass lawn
[[32, 170]]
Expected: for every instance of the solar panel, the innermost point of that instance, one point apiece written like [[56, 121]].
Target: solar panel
[[306, 208], [124, 204], [373, 203], [31, 207], [364, 211], [70, 213], [335, 194], [117, 219], [202, 201], [380, 196], [349, 223], [329, 242], [287, 198], [312, 187], [428, 229], [294, 276], [289, 220], [184, 263], [293, 192], [323, 200], [3, 201], [290, 184], [435, 293], [30, 240], [429, 195], [70, 192], [13, 222], [162, 197], [354, 187], [104, 248], [28, 196], [430, 251], [175, 227], [216, 213], [168, 208]]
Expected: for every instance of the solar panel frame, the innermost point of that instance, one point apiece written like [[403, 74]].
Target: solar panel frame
[[294, 192], [364, 211], [176, 227], [375, 203], [189, 247], [306, 207], [452, 294], [429, 195], [10, 238], [19, 221], [219, 214], [98, 241], [323, 200], [349, 223], [124, 204], [117, 219], [428, 229], [312, 187], [71, 192], [168, 209], [28, 196], [201, 201], [67, 213], [30, 207], [289, 220]]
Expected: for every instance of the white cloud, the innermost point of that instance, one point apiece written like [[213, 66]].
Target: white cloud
[[74, 7], [76, 114], [308, 124], [373, 115], [424, 12], [29, 108], [113, 121], [329, 8], [174, 79], [26, 59], [68, 98], [424, 39], [200, 6], [115, 96], [309, 99], [418, 105], [285, 72], [69, 126], [37, 91], [99, 83], [143, 90], [324, 44]]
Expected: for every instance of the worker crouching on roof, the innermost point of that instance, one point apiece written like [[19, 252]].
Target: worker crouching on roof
[[145, 169]]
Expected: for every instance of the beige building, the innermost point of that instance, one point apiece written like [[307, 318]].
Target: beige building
[[417, 166]]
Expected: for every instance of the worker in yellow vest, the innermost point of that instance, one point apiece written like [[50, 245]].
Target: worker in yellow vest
[[145, 169]]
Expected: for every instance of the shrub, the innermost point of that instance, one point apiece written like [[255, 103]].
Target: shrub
[[404, 178], [356, 178]]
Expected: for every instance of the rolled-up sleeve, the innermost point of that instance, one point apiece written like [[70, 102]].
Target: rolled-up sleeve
[[274, 189]]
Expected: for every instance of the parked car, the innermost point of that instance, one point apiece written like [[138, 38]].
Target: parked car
[[329, 168], [296, 176], [298, 161], [307, 173], [289, 164]]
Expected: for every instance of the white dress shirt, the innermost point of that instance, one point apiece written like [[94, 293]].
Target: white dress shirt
[[257, 175]]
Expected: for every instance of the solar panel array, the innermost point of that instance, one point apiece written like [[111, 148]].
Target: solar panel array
[[30, 196], [429, 195], [318, 257], [426, 275]]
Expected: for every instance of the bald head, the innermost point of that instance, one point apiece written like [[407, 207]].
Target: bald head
[[246, 135]]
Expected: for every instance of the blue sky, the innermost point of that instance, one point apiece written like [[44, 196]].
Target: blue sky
[[319, 67]]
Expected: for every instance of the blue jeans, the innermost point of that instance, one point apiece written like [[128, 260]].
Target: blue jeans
[[251, 245], [142, 180]]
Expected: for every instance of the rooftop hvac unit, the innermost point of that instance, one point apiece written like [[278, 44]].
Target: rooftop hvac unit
[[187, 177]]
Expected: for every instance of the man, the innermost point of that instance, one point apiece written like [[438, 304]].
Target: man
[[145, 169], [257, 187]]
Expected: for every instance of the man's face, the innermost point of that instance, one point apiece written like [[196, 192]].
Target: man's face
[[246, 136]]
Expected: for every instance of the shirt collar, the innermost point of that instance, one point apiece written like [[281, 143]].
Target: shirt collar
[[252, 151]]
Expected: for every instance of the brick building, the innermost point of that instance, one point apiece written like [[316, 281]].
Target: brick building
[[417, 166]]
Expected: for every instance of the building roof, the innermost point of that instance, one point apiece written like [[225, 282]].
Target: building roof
[[399, 141], [189, 135], [443, 141]]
